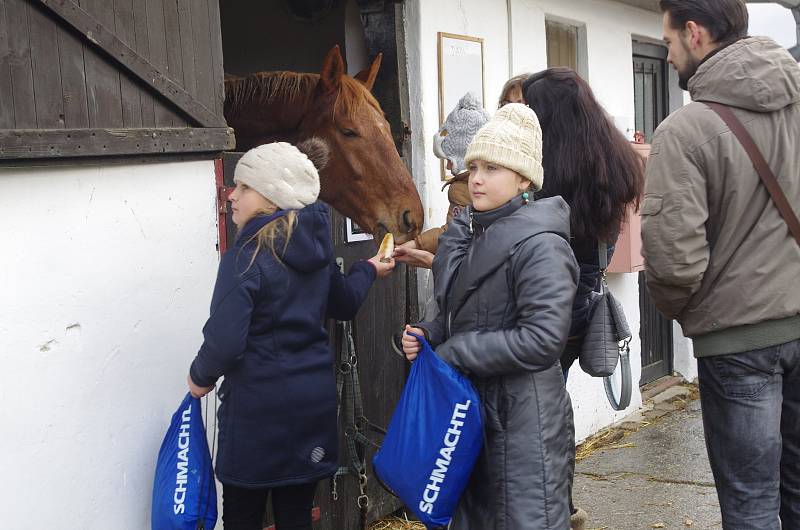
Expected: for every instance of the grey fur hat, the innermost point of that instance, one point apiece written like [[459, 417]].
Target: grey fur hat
[[451, 141]]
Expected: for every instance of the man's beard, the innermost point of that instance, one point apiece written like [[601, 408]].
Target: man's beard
[[688, 70]]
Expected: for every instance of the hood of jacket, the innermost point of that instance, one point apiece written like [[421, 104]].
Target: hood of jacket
[[754, 73], [309, 249], [502, 236], [514, 221]]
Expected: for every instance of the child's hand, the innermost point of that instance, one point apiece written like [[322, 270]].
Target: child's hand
[[383, 269], [197, 391], [410, 255], [411, 345]]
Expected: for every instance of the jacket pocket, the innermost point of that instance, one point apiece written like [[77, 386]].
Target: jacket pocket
[[651, 205]]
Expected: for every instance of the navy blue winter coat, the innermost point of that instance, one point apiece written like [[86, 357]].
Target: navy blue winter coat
[[266, 335]]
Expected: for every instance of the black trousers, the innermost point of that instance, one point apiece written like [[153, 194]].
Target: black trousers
[[243, 509]]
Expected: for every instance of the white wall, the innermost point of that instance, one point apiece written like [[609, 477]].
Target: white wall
[[105, 284], [514, 42], [610, 28], [685, 362]]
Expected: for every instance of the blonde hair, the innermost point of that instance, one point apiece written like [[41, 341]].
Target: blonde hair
[[277, 230]]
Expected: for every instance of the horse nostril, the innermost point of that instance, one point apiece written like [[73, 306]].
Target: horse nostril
[[408, 222]]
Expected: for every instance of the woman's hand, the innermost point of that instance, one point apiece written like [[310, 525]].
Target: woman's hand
[[382, 269], [410, 255], [197, 391], [411, 345]]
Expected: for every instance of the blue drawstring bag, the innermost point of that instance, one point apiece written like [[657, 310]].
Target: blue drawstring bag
[[184, 491], [433, 440]]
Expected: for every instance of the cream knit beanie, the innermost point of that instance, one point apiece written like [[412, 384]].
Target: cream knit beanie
[[281, 173], [512, 139]]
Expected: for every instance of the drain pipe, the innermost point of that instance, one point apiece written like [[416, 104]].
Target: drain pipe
[[794, 6], [795, 50]]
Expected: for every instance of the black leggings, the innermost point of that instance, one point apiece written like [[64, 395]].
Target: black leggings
[[243, 509]]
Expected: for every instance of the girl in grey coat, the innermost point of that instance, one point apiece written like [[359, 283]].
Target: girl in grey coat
[[505, 279]]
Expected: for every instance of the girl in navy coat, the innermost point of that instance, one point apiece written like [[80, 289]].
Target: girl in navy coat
[[266, 335]]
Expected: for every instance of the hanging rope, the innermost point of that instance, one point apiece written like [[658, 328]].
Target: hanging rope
[[356, 425]]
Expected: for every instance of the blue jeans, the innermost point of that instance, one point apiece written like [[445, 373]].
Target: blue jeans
[[751, 418]]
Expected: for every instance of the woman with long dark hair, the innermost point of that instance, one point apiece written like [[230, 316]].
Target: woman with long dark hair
[[589, 163]]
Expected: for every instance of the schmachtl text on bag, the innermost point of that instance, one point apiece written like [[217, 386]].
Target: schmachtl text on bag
[[437, 476], [183, 463]]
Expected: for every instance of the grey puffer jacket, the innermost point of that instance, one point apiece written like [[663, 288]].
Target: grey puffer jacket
[[505, 292]]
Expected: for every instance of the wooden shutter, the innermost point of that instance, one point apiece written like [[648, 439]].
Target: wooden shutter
[[562, 45]]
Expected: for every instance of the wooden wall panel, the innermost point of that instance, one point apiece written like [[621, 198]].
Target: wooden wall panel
[[173, 37], [202, 53], [142, 47], [21, 67], [47, 93], [157, 32], [52, 77], [6, 92], [187, 46], [131, 94], [102, 79], [73, 81], [215, 31]]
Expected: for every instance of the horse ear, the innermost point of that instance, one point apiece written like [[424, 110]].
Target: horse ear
[[332, 71], [368, 75]]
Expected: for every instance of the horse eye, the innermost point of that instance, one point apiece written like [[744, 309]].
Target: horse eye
[[350, 133]]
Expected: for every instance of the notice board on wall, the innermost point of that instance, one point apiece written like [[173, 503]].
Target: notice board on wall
[[460, 71]]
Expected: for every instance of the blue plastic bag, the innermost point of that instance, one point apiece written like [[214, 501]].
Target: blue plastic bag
[[433, 440], [184, 491]]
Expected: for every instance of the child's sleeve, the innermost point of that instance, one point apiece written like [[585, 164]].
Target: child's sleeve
[[347, 292], [545, 277], [225, 332], [429, 239], [453, 246]]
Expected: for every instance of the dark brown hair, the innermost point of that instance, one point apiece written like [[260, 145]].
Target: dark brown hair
[[725, 20], [586, 159]]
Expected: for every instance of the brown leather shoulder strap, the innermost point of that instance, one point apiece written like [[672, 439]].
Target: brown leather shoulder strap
[[761, 166]]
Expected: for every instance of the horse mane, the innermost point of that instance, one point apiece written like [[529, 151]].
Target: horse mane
[[264, 88]]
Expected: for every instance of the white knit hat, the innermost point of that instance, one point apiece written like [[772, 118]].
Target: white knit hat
[[512, 139], [281, 173]]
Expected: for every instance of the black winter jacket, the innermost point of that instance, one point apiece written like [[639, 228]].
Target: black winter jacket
[[505, 293]]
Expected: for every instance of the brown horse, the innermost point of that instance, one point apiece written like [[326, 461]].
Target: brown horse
[[365, 179]]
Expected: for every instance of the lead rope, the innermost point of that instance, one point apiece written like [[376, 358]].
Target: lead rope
[[356, 423]]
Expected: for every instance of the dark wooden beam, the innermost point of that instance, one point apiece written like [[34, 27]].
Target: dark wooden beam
[[62, 143], [105, 41]]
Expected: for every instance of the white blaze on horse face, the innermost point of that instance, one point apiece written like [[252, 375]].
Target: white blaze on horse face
[[246, 203]]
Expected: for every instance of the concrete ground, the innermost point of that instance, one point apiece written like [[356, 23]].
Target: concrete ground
[[656, 476]]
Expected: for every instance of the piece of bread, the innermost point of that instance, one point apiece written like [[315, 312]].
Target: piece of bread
[[387, 248]]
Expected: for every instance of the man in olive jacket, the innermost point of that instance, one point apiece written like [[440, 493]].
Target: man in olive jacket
[[720, 258]]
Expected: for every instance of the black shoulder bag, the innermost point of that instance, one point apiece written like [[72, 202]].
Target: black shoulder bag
[[607, 339]]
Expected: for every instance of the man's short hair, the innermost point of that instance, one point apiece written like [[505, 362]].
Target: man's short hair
[[725, 20]]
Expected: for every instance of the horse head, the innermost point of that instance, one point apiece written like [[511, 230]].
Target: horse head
[[365, 179]]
